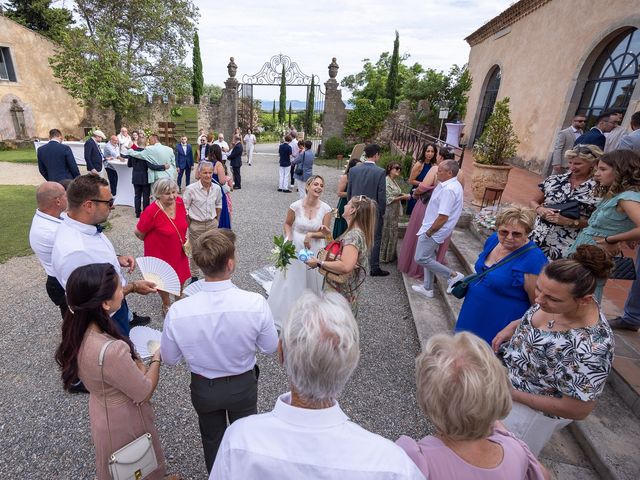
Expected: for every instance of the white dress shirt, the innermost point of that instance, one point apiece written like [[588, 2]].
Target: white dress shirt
[[299, 443], [294, 148], [447, 199], [41, 237], [223, 145], [78, 244], [218, 330], [201, 204]]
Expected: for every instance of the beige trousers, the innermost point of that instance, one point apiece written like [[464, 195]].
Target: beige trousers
[[196, 229]]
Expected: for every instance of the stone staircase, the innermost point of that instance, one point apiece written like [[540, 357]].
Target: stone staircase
[[606, 444]]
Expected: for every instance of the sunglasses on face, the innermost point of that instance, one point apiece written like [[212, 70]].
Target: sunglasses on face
[[109, 202], [395, 168], [514, 235]]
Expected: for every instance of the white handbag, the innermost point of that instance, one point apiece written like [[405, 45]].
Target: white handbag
[[137, 459]]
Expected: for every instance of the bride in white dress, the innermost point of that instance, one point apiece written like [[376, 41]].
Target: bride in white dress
[[307, 225]]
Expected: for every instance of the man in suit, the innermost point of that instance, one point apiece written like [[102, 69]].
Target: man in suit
[[184, 161], [631, 141], [566, 139], [55, 160], [369, 180], [595, 136], [92, 152], [235, 160], [203, 148]]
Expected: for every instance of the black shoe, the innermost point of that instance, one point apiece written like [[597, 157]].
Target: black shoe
[[137, 215], [78, 387], [379, 273], [280, 190], [286, 191], [139, 320], [193, 280], [619, 324], [237, 188]]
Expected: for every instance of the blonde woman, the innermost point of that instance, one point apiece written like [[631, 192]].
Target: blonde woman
[[360, 213], [464, 391]]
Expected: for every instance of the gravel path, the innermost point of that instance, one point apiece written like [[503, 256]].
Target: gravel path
[[44, 432]]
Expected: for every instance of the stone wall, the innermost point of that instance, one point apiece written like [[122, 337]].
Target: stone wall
[[545, 58]]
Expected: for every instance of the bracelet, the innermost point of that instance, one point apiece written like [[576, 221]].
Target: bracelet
[[133, 285], [154, 361], [321, 263], [606, 240]]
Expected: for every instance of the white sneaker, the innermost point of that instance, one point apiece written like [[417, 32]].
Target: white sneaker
[[452, 281], [422, 291]]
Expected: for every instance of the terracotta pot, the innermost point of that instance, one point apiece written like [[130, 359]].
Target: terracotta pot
[[483, 176]]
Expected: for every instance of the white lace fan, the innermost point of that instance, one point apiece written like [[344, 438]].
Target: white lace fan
[[146, 340], [161, 273], [193, 288]]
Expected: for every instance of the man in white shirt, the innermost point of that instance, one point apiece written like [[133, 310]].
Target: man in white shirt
[[307, 435], [440, 218], [203, 201], [217, 331], [224, 146], [615, 135], [124, 141], [51, 199], [79, 241]]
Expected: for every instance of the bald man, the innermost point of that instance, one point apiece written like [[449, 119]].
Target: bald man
[[51, 199]]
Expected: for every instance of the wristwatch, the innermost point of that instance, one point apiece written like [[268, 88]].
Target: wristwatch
[[575, 223]]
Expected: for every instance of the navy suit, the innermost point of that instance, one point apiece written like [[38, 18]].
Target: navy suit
[[592, 137], [92, 155], [140, 180], [56, 162], [184, 162], [369, 179], [235, 160]]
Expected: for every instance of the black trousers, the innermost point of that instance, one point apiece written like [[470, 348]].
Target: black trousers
[[141, 192], [374, 259], [187, 173], [56, 294], [237, 180], [216, 399], [113, 180], [292, 180]]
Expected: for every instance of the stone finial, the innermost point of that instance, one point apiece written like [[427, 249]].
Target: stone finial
[[333, 68], [232, 68]]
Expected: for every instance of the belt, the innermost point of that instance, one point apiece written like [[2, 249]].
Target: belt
[[201, 221], [228, 378]]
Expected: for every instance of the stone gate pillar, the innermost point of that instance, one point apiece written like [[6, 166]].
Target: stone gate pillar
[[229, 102], [334, 110]]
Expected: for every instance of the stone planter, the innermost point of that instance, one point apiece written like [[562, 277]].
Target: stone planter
[[483, 176]]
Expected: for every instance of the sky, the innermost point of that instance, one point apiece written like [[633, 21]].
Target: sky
[[311, 32]]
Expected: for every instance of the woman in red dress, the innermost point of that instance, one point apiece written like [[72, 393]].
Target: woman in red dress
[[163, 227]]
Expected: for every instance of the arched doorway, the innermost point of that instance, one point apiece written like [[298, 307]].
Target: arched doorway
[[488, 100], [613, 76]]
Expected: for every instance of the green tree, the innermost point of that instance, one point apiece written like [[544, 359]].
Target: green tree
[[290, 113], [366, 118], [273, 113], [392, 79], [214, 92], [38, 15], [122, 51], [282, 110], [308, 113], [197, 82], [498, 142]]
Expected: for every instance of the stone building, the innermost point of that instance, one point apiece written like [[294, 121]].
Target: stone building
[[554, 59], [31, 101]]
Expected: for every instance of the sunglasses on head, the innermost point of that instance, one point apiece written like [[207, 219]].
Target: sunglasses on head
[[583, 149]]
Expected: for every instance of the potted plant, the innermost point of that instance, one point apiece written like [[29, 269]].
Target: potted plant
[[496, 146]]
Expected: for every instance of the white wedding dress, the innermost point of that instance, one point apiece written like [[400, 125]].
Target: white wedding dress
[[287, 288]]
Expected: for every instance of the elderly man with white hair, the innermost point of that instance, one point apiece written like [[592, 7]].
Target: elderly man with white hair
[[307, 435]]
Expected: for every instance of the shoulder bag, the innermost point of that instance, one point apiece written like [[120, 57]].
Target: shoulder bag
[[333, 251], [186, 244], [624, 268], [136, 460], [569, 209], [300, 167], [460, 288]]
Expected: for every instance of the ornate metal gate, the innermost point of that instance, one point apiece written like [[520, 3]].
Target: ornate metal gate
[[270, 74]]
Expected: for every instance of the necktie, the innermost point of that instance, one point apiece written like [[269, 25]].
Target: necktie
[[100, 228]]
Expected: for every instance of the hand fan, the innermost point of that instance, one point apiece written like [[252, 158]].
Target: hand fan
[[146, 340], [161, 273], [193, 288]]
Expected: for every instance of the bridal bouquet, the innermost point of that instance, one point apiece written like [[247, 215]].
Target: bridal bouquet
[[282, 253]]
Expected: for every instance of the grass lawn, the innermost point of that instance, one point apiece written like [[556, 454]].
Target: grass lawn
[[329, 162], [22, 155], [18, 206]]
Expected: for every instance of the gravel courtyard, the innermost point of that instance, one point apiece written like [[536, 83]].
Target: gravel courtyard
[[44, 432]]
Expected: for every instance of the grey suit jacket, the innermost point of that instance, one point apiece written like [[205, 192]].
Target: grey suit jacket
[[368, 179], [630, 141], [564, 142]]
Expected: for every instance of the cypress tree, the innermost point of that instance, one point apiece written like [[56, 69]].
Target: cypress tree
[[392, 79], [197, 81], [290, 112], [308, 114], [273, 112], [282, 111]]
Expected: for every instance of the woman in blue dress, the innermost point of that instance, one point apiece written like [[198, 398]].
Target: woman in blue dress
[[220, 177], [419, 170], [617, 218], [505, 293]]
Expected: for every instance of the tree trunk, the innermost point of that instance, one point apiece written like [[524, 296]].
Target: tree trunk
[[117, 121]]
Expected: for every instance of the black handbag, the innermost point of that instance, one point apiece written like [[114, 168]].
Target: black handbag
[[624, 268], [299, 170], [460, 288], [570, 209]]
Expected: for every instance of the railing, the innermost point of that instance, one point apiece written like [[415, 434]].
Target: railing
[[411, 140]]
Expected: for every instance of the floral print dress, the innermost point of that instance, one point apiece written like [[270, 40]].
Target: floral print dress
[[574, 363], [554, 239], [351, 288]]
